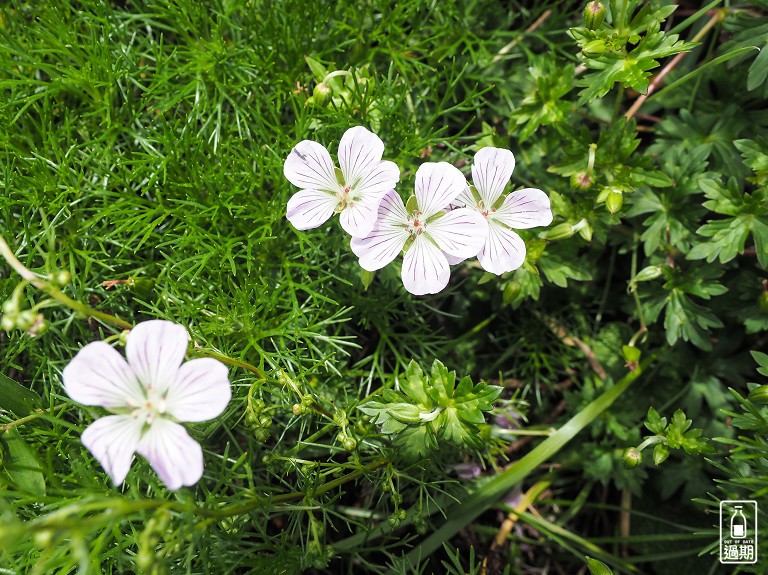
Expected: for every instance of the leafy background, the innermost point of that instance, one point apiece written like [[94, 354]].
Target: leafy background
[[144, 141]]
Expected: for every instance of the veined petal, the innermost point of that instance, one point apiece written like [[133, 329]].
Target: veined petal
[[155, 350], [200, 391], [360, 152], [113, 440], [437, 185], [378, 180], [358, 218], [388, 236], [491, 170], [453, 260], [503, 251], [309, 209], [526, 208], [98, 375], [309, 166], [173, 454], [425, 269], [460, 232]]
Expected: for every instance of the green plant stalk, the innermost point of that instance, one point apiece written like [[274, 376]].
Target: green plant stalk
[[55, 292], [464, 513]]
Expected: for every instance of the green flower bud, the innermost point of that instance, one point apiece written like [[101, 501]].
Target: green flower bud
[[762, 302], [297, 409], [759, 395], [559, 232], [632, 457], [60, 278], [26, 319], [349, 444], [594, 14], [8, 323], [123, 339], [40, 326], [397, 499], [647, 274], [321, 94], [394, 520], [402, 514], [11, 306], [581, 181], [614, 201]]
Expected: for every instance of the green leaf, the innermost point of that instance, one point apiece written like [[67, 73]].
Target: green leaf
[[655, 423], [597, 567], [758, 71], [366, 278], [414, 385], [762, 360], [22, 465], [16, 398], [318, 70]]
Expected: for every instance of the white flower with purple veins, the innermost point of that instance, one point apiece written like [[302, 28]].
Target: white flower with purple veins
[[148, 395], [426, 232], [354, 191], [504, 250]]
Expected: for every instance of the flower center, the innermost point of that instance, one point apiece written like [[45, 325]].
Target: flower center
[[416, 224], [483, 210], [152, 407], [345, 197]]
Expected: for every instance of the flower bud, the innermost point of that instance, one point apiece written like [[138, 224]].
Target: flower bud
[[123, 339], [759, 395], [632, 457], [60, 278], [11, 306], [581, 181], [762, 302], [559, 232], [8, 322], [26, 319], [40, 326], [614, 201], [297, 409], [349, 443], [647, 274], [321, 94], [594, 14]]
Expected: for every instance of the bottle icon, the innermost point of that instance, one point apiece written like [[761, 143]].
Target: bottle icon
[[738, 524]]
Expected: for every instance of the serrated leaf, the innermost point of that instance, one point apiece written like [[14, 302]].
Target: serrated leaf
[[762, 360], [22, 465], [655, 423], [16, 398], [441, 384], [414, 385]]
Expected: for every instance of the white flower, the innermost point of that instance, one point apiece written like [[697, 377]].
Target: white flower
[[148, 394], [427, 233], [504, 250], [355, 193]]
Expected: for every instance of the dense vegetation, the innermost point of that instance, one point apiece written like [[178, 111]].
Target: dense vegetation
[[599, 400]]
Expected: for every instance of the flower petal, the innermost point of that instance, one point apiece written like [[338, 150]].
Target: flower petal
[[491, 170], [358, 218], [201, 390], [388, 236], [98, 375], [425, 269], [309, 209], [503, 251], [155, 350], [113, 440], [173, 454], [360, 151], [453, 260], [309, 166], [437, 185], [526, 208], [378, 180], [460, 232]]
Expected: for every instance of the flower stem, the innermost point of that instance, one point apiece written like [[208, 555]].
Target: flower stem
[[32, 416], [55, 292], [717, 17]]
